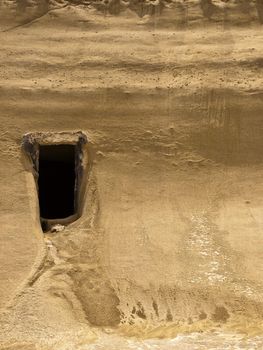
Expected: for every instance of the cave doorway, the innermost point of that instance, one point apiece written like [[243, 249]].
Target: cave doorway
[[57, 181], [59, 163]]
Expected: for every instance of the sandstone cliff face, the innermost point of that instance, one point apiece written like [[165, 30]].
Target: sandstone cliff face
[[169, 238], [179, 11]]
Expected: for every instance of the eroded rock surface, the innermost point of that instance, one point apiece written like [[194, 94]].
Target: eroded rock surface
[[169, 240]]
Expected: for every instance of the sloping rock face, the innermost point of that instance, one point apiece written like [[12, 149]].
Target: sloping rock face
[[169, 237], [233, 11]]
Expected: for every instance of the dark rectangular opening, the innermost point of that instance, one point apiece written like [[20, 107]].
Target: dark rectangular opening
[[56, 182]]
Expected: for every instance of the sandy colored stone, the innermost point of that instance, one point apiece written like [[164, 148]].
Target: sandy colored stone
[[169, 241]]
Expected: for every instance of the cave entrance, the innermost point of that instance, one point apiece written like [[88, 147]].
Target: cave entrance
[[57, 181], [58, 162]]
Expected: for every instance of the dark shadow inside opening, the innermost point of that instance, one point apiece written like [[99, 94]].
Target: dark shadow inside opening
[[56, 182]]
